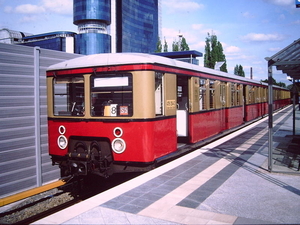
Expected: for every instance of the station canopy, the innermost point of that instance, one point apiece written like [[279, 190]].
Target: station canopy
[[288, 60]]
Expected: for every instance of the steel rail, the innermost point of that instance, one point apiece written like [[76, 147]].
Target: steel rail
[[31, 192]]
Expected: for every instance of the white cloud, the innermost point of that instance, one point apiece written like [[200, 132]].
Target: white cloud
[[232, 49], [30, 18], [281, 2], [169, 32], [198, 46], [59, 6], [56, 6], [29, 9], [262, 37], [179, 5]]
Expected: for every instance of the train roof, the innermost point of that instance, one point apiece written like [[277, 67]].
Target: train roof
[[110, 59]]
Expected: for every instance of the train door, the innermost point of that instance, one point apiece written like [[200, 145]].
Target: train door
[[182, 108]]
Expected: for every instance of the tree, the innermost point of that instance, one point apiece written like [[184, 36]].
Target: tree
[[175, 46], [158, 46], [207, 56], [274, 82], [238, 70], [183, 45], [214, 53], [180, 45], [165, 46], [281, 84]]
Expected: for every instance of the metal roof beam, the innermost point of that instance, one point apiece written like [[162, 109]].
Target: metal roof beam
[[284, 63]]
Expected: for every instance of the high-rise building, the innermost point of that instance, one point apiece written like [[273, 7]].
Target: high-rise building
[[103, 26], [136, 25], [92, 18], [116, 26]]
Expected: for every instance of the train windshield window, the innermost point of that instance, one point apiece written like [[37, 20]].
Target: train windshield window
[[68, 96], [111, 95]]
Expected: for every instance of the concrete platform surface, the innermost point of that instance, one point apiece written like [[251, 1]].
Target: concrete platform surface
[[225, 182]]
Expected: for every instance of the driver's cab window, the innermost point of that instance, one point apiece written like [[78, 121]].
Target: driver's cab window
[[68, 96], [111, 95]]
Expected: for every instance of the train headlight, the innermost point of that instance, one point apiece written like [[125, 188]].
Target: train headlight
[[118, 145], [118, 132], [62, 142], [62, 129]]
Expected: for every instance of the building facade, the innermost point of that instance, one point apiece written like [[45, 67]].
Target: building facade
[[137, 25], [92, 18], [104, 26], [8, 36], [59, 41]]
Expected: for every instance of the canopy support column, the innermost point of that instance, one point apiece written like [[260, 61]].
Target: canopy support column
[[270, 107]]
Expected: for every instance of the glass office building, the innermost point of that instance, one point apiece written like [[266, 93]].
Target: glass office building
[[59, 41], [104, 26], [92, 18], [136, 25]]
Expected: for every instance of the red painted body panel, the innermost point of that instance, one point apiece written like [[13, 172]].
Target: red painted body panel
[[145, 141], [207, 124], [234, 117], [252, 112]]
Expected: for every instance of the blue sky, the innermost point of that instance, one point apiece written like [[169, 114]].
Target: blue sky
[[248, 30]]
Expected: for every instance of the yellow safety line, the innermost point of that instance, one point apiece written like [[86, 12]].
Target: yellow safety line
[[31, 192]]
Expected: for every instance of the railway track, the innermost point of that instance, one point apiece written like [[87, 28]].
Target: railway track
[[45, 203], [28, 206]]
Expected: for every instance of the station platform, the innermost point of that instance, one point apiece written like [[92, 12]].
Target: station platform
[[224, 182]]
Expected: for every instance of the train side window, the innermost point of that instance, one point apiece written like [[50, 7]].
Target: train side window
[[223, 94], [211, 94], [202, 94], [238, 94], [159, 94], [111, 95], [251, 94], [233, 94], [68, 96]]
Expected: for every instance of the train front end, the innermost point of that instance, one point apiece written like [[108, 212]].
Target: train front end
[[104, 119]]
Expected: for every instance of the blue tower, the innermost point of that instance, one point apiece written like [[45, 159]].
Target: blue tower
[[92, 18]]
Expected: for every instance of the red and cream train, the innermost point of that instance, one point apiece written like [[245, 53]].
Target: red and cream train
[[111, 113]]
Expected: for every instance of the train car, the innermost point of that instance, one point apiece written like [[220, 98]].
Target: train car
[[122, 112]]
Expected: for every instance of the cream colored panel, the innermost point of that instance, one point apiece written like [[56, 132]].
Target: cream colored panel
[[87, 96], [170, 94], [50, 96], [143, 94], [194, 94]]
